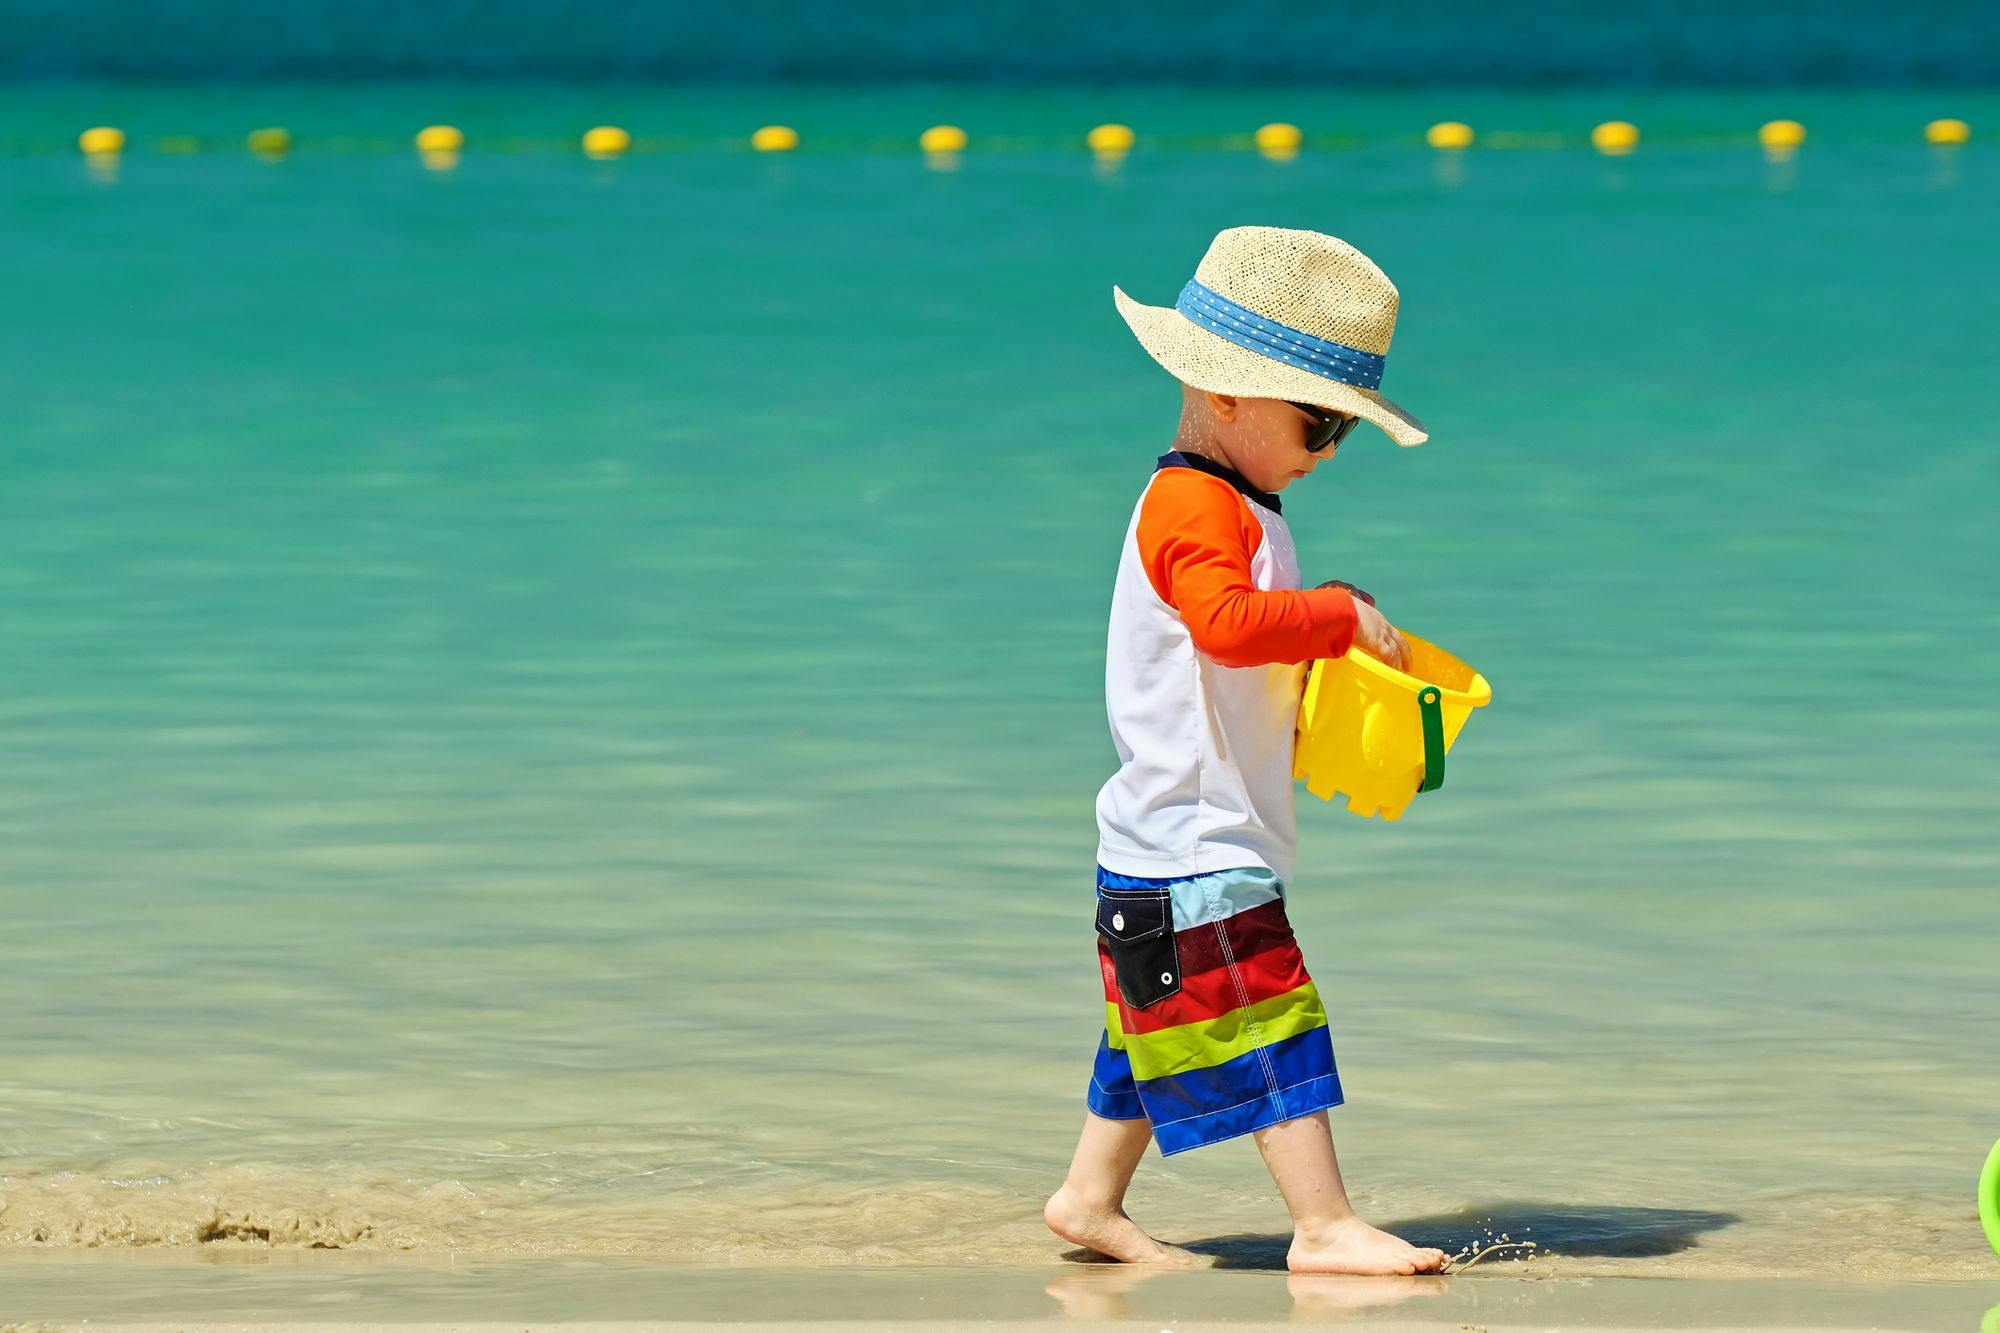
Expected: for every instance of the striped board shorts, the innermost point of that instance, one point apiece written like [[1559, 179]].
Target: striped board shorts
[[1212, 1026]]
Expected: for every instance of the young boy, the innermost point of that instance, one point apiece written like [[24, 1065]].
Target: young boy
[[1214, 1029]]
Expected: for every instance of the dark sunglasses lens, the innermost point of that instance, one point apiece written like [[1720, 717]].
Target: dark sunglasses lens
[[1328, 427], [1329, 431]]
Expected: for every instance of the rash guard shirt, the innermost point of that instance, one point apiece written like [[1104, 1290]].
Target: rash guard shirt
[[1209, 637]]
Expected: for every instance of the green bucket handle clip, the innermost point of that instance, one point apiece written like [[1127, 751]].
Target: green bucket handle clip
[[1427, 704]]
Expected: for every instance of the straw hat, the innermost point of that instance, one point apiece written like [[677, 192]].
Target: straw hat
[[1275, 313]]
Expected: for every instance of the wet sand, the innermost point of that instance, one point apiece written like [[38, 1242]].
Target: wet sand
[[300, 1292]]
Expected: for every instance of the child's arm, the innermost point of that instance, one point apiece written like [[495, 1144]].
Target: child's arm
[[1196, 538]]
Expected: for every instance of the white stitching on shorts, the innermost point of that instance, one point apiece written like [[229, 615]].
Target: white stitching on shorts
[[1332, 1074], [1256, 1028], [1107, 1093]]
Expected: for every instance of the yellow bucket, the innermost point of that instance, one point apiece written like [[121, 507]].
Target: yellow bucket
[[1379, 735]]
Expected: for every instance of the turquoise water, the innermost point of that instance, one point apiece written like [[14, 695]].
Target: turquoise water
[[554, 706]]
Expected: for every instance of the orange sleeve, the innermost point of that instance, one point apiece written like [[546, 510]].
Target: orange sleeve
[[1196, 538]]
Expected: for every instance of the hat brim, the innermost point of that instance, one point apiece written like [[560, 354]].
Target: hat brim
[[1193, 355]]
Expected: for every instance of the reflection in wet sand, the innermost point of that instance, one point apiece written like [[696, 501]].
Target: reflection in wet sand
[[1098, 1291], [1328, 1296]]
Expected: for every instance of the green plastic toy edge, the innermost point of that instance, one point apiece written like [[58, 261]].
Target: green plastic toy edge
[[1427, 704], [1989, 1198]]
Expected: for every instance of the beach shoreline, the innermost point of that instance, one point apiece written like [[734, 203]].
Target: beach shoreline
[[301, 1292]]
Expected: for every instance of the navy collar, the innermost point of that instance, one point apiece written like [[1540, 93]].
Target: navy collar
[[1228, 474]]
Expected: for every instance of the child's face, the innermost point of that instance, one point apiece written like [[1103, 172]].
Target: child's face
[[1265, 439]]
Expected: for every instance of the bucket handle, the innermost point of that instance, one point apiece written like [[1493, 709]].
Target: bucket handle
[[1427, 705]]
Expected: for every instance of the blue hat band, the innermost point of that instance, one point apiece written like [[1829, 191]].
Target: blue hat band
[[1281, 342]]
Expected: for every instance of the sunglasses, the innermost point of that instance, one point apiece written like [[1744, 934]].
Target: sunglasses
[[1328, 428]]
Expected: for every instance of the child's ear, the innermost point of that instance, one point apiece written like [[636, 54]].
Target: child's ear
[[1221, 406]]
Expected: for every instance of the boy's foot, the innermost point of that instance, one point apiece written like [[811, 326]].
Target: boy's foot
[[1110, 1232], [1355, 1247]]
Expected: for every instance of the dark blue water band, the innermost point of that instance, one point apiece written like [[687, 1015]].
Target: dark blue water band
[[1246, 328]]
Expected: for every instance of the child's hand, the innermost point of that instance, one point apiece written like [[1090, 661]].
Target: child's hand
[[1374, 635]]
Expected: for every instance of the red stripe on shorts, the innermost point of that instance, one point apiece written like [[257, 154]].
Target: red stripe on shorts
[[1250, 933], [1205, 996]]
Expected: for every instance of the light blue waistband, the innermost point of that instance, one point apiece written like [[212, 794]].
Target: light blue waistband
[[1246, 328], [1199, 899]]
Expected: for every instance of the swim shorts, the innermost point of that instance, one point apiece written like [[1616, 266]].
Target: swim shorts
[[1212, 1026]]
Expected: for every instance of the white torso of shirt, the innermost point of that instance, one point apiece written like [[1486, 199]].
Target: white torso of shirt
[[1204, 778]]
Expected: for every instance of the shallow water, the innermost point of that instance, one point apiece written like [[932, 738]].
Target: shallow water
[[554, 706]]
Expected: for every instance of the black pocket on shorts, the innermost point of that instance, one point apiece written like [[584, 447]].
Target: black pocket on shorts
[[1137, 926]]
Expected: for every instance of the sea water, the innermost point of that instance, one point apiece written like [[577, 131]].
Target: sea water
[[554, 706]]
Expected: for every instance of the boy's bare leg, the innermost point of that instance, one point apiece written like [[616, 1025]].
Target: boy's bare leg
[[1089, 1209], [1326, 1235]]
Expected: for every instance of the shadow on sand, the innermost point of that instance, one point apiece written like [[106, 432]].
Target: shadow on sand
[[1556, 1229]]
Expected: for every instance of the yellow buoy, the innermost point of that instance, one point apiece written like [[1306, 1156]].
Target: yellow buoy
[[605, 141], [1279, 139], [440, 139], [270, 142], [1378, 735], [1615, 137], [1449, 134], [1111, 140], [775, 139], [942, 139], [101, 139], [1781, 135], [1947, 132]]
